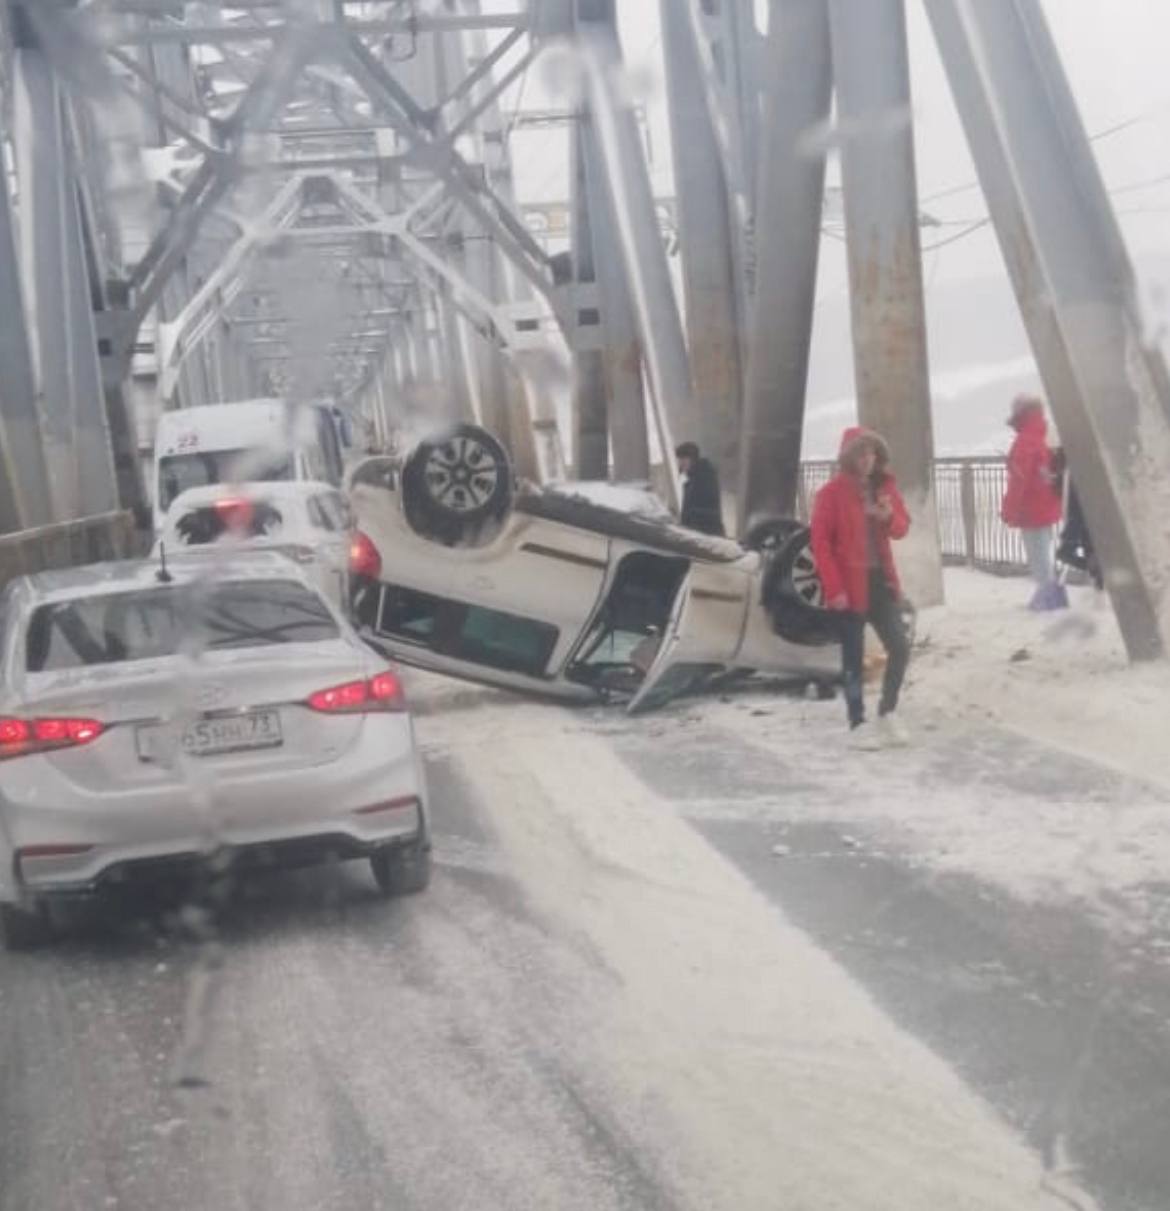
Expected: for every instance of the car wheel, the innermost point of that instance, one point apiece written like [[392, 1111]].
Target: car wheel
[[456, 483], [24, 930], [402, 870], [794, 596], [769, 532]]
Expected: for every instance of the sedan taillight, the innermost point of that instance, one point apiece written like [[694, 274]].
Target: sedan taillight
[[380, 693], [22, 737], [364, 559]]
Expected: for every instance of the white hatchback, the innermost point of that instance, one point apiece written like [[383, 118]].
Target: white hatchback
[[149, 717], [309, 522]]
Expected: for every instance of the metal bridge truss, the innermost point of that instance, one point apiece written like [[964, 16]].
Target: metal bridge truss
[[315, 197]]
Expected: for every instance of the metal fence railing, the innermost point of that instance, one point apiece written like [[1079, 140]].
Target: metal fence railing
[[968, 493]]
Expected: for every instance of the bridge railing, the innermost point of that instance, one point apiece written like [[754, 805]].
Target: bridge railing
[[68, 544], [968, 492]]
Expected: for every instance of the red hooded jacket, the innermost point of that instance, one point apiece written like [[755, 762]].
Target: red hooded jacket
[[1032, 501], [840, 541]]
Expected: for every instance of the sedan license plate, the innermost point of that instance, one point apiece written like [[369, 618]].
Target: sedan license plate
[[214, 737]]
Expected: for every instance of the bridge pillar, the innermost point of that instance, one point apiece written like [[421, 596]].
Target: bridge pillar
[[876, 121], [788, 239], [710, 244], [24, 481], [1103, 372], [67, 373]]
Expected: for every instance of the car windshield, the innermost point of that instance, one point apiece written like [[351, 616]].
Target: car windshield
[[115, 628], [178, 472]]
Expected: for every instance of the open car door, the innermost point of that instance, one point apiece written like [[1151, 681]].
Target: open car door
[[703, 636]]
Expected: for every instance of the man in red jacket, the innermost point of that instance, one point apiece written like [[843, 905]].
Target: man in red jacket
[[856, 516], [1032, 501]]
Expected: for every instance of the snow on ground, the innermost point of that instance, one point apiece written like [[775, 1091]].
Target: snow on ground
[[1040, 759], [723, 1037], [1061, 678]]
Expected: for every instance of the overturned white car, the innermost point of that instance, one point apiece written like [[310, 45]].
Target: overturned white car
[[456, 568]]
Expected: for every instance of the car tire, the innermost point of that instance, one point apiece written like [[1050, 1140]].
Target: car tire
[[769, 532], [793, 594], [23, 930], [402, 870], [457, 483]]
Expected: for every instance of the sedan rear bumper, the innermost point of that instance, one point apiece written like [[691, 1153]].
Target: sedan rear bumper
[[185, 871], [57, 838]]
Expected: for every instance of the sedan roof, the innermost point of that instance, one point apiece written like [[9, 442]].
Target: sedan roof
[[125, 575]]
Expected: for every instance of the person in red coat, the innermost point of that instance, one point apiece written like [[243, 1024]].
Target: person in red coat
[[1032, 503], [856, 517]]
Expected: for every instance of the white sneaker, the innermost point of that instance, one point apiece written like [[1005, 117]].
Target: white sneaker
[[892, 732], [863, 739]]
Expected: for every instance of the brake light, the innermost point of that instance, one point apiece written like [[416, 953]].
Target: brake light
[[364, 559], [380, 693], [388, 805], [385, 687], [22, 737], [235, 513]]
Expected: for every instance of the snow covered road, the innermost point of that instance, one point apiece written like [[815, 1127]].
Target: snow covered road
[[600, 1003]]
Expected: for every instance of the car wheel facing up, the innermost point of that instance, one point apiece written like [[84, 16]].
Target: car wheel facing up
[[457, 483]]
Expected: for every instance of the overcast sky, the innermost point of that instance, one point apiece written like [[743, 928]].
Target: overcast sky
[[1116, 53]]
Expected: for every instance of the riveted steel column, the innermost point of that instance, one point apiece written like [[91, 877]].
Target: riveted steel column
[[1104, 374], [639, 240], [64, 339], [24, 480], [788, 239], [708, 244], [629, 439], [590, 402], [610, 403], [870, 61]]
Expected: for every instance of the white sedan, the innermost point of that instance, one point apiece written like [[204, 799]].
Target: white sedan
[[151, 715], [309, 522]]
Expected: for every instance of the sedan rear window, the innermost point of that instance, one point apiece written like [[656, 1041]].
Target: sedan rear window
[[243, 519], [114, 628]]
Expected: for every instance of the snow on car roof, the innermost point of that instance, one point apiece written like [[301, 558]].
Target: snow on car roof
[[635, 499], [119, 575], [567, 505]]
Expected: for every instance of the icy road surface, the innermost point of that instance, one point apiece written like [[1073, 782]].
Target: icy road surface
[[601, 1003]]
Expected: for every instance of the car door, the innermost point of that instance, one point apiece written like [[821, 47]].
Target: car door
[[703, 637]]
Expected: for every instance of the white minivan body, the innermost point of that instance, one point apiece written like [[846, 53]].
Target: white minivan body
[[250, 441]]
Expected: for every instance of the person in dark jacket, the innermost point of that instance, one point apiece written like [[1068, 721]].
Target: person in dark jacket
[[702, 502], [1075, 549], [856, 517]]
